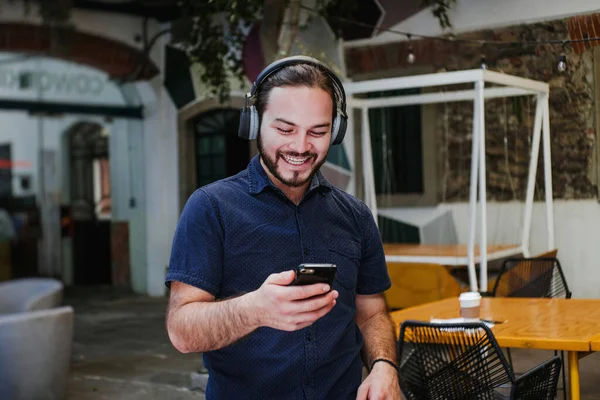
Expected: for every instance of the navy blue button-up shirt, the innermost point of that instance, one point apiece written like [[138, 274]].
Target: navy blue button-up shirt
[[233, 234]]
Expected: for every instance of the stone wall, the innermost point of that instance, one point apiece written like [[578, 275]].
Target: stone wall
[[509, 122]]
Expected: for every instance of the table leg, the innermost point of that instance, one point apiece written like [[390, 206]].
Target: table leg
[[573, 360]]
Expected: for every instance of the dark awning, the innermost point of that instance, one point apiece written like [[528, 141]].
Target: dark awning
[[42, 107], [178, 79]]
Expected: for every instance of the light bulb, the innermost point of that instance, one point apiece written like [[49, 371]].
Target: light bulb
[[483, 63], [410, 58], [562, 64]]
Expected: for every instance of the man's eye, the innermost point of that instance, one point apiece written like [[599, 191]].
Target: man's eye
[[319, 133], [284, 130]]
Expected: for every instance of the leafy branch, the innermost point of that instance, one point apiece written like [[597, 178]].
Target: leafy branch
[[213, 33]]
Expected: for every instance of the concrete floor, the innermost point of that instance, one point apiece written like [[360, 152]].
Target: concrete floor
[[121, 351]]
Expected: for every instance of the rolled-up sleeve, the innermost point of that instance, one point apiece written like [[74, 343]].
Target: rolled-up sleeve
[[373, 275], [197, 251]]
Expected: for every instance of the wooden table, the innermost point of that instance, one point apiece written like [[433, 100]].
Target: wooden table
[[596, 343], [445, 254], [550, 324]]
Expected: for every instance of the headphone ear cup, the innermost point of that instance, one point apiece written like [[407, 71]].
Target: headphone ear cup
[[254, 123], [335, 129], [244, 127], [339, 129]]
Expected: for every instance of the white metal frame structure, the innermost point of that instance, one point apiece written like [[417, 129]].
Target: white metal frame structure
[[507, 86]]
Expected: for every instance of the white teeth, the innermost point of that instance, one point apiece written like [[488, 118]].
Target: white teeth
[[295, 160]]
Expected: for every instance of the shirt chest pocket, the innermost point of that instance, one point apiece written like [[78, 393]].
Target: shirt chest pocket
[[345, 254]]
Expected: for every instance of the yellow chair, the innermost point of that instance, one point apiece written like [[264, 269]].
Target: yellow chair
[[415, 283], [548, 254]]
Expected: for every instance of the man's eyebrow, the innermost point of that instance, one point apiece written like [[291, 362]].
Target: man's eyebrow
[[284, 121], [323, 125]]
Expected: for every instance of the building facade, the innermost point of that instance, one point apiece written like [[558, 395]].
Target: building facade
[[89, 135], [422, 154]]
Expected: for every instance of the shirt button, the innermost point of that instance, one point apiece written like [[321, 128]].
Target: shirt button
[[308, 338], [307, 382], [306, 251]]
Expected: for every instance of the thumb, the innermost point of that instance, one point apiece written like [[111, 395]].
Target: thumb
[[363, 392], [282, 278]]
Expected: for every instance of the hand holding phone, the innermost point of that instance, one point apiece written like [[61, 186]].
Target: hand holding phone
[[292, 300], [308, 274]]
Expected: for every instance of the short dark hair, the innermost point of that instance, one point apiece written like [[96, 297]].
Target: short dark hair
[[307, 75]]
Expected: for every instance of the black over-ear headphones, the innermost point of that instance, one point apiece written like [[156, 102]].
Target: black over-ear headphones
[[250, 121]]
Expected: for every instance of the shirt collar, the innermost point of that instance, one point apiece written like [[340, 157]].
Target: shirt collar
[[259, 180]]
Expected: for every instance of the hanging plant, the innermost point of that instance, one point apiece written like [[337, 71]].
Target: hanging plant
[[439, 9], [213, 32]]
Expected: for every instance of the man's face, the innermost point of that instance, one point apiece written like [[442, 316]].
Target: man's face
[[295, 134]]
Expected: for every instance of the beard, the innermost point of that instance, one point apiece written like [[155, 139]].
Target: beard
[[295, 180]]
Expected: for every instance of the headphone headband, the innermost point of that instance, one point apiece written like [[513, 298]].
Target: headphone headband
[[295, 60], [249, 118]]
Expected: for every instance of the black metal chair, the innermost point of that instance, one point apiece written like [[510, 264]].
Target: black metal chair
[[464, 361], [541, 277], [531, 277]]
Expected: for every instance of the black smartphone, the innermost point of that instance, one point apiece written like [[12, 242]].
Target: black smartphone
[[307, 274]]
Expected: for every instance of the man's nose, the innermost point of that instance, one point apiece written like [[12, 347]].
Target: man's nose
[[301, 143]]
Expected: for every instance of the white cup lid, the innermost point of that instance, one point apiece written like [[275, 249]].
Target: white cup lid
[[470, 296]]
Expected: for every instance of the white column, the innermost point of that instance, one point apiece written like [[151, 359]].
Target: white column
[[533, 162], [133, 167], [473, 198], [162, 200], [548, 174], [479, 86], [369, 177]]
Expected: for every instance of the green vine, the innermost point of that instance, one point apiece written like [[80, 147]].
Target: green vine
[[517, 108]]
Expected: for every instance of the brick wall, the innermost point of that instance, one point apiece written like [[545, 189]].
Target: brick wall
[[509, 122], [115, 58]]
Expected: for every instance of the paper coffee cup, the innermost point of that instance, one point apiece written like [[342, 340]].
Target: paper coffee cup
[[469, 305]]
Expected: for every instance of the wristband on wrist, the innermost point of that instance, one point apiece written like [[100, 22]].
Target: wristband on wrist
[[385, 360]]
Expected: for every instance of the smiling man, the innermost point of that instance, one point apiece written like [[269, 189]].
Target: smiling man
[[239, 239], [295, 136]]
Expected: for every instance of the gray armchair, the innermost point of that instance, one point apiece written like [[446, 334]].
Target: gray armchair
[[30, 294], [35, 354]]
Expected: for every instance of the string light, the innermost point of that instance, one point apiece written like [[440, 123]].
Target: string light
[[562, 63], [452, 37], [410, 58]]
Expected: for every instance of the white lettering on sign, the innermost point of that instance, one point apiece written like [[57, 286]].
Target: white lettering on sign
[[45, 81]]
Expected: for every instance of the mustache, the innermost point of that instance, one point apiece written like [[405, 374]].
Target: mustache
[[296, 154]]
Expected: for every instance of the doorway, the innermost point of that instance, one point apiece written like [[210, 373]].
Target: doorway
[[90, 204]]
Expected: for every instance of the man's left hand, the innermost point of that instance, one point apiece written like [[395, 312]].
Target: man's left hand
[[380, 384]]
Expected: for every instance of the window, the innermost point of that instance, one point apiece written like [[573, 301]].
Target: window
[[102, 197], [219, 151], [403, 143], [397, 147]]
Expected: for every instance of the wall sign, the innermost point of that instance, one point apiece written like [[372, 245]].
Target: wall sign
[[51, 82]]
